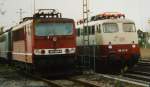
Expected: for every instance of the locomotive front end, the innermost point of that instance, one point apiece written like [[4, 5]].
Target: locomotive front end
[[54, 45], [121, 43]]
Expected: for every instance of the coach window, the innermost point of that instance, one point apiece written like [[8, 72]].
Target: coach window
[[129, 27], [2, 38], [110, 28]]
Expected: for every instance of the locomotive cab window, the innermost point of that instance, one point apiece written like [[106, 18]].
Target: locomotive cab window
[[110, 27], [129, 27], [50, 29]]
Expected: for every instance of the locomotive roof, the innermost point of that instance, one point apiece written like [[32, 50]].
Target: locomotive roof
[[109, 21], [116, 20]]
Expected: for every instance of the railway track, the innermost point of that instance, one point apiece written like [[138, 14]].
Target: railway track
[[146, 62], [140, 73], [95, 80], [107, 80], [65, 82]]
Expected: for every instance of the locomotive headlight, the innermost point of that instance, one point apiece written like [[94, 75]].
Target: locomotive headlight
[[72, 50], [119, 50], [133, 46], [67, 51], [42, 51], [37, 51], [110, 46]]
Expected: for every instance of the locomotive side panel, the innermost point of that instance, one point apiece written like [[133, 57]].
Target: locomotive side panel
[[22, 47]]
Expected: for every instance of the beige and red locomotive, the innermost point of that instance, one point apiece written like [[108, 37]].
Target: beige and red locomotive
[[112, 40]]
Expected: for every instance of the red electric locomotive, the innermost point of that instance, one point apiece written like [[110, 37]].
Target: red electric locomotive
[[45, 42]]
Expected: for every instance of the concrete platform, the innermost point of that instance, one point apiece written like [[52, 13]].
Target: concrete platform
[[145, 53]]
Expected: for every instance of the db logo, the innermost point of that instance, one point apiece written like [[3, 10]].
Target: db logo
[[54, 39]]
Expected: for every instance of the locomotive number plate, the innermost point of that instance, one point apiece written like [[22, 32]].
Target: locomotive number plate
[[55, 51]]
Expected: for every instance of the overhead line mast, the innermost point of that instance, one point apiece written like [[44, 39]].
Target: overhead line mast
[[85, 21], [86, 61], [20, 13]]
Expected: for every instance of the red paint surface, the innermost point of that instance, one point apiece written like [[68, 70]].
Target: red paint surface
[[104, 51], [49, 43]]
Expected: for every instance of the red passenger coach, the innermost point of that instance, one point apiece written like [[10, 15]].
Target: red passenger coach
[[45, 42]]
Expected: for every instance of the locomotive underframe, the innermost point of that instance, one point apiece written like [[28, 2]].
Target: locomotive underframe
[[103, 58], [50, 65], [55, 64]]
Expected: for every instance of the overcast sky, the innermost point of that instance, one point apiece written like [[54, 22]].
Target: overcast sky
[[137, 10]]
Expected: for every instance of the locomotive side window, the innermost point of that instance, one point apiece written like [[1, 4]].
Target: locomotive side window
[[89, 30], [18, 34], [45, 29], [86, 30], [81, 31], [110, 28], [98, 28], [78, 32], [129, 27], [92, 30]]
